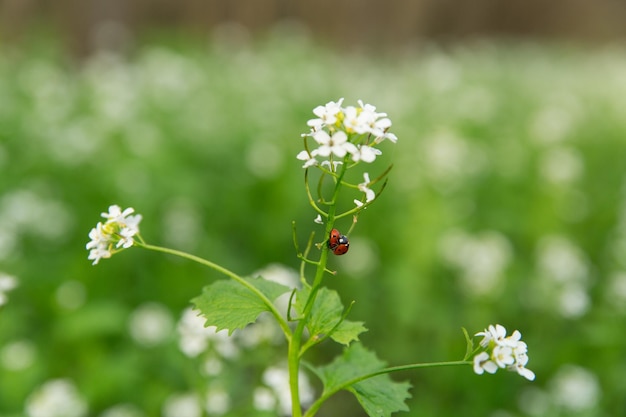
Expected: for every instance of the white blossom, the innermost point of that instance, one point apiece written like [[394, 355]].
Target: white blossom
[[340, 131], [502, 352], [117, 233]]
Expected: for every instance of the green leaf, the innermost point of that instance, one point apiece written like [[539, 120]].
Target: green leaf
[[327, 317], [379, 395], [348, 331], [470, 344], [228, 304]]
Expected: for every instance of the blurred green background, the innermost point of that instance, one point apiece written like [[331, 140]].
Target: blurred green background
[[506, 204]]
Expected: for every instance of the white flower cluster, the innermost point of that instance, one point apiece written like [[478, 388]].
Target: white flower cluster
[[339, 131], [502, 352], [116, 233]]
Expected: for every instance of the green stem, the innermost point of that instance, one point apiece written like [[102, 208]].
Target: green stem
[[295, 343], [281, 321], [327, 394]]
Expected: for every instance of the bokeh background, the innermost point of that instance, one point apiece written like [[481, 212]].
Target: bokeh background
[[506, 203]]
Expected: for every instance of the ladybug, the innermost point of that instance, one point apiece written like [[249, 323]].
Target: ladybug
[[338, 243], [333, 238]]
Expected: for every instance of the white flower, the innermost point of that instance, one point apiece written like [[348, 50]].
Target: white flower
[[116, 215], [502, 352], [386, 135], [483, 362], [365, 153], [503, 356], [115, 234], [309, 160], [332, 167], [327, 115], [370, 195], [346, 130], [353, 122], [336, 144], [495, 333], [371, 122]]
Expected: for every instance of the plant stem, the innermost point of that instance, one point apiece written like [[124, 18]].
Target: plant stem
[[281, 321], [295, 343], [327, 394]]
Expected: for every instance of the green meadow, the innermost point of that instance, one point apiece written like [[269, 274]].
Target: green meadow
[[506, 204]]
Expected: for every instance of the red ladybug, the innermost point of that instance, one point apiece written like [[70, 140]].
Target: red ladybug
[[333, 238], [338, 243]]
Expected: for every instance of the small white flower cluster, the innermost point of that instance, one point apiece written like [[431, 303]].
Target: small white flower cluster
[[115, 234], [502, 352], [339, 131]]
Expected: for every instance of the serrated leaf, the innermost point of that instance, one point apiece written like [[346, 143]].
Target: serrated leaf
[[379, 396], [326, 316], [348, 331], [228, 304]]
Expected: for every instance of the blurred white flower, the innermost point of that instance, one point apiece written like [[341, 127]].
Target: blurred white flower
[[481, 259], [564, 274], [18, 355], [559, 259], [502, 352], [182, 405], [212, 366], [264, 399], [217, 401], [122, 410], [7, 283], [56, 398], [194, 338], [277, 378], [534, 402], [281, 274], [551, 125], [561, 165], [575, 388], [150, 324], [573, 301]]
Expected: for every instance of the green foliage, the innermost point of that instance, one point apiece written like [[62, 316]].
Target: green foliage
[[502, 147], [227, 304], [327, 317], [379, 396]]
